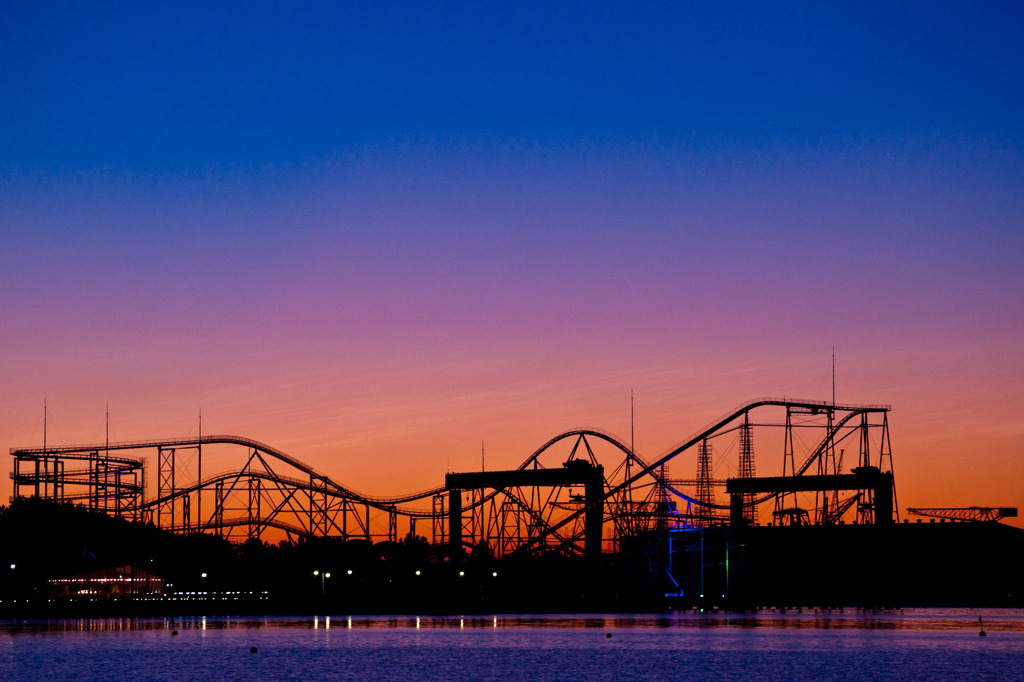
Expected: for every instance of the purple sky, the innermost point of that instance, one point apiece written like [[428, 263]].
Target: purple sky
[[375, 238]]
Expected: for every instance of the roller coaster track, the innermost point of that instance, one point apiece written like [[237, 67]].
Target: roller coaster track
[[76, 452], [635, 471], [381, 503], [649, 469]]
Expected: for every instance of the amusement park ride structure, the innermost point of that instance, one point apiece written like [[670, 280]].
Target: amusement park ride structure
[[966, 513], [581, 493]]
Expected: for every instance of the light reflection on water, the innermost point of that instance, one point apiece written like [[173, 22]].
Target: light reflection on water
[[904, 619], [919, 643]]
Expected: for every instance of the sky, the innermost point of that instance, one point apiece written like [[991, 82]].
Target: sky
[[381, 236]]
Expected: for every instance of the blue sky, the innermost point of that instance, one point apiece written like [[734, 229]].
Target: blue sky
[[187, 87], [319, 222]]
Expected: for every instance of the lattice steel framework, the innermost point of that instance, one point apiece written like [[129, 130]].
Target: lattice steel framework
[[746, 468], [271, 495]]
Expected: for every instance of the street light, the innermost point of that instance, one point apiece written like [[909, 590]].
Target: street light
[[323, 577]]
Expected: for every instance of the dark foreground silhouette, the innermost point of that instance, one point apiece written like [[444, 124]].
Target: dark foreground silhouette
[[59, 560]]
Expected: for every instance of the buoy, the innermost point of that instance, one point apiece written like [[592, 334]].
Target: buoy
[[174, 633], [252, 650], [609, 635], [982, 626]]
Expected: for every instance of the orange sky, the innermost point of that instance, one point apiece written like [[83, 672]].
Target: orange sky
[[389, 433], [377, 239]]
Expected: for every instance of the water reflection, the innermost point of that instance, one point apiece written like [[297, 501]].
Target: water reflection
[[909, 619]]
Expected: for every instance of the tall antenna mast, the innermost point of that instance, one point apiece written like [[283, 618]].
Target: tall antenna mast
[[483, 467], [199, 473], [833, 376], [108, 429], [44, 425], [632, 452]]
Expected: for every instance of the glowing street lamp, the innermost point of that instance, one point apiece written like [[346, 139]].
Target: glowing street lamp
[[323, 576]]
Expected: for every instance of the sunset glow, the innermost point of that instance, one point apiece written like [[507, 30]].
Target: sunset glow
[[384, 242]]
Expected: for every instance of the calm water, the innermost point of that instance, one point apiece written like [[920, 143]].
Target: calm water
[[917, 644]]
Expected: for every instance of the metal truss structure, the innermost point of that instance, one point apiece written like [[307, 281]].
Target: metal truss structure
[[269, 495], [90, 476], [966, 513]]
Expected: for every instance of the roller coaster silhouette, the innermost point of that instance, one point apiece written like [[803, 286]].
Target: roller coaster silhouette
[[582, 493]]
